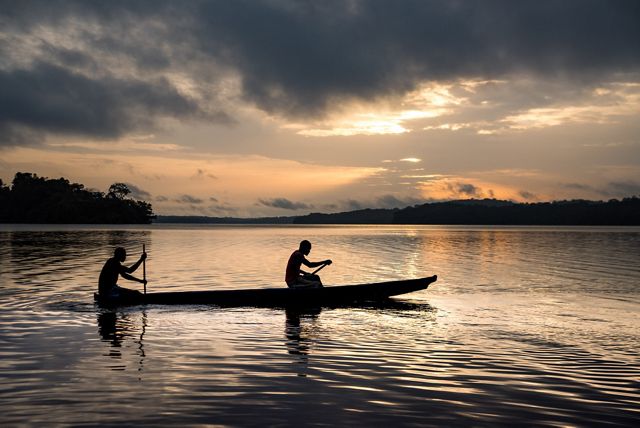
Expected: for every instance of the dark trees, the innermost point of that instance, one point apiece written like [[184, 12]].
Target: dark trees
[[494, 212], [33, 199]]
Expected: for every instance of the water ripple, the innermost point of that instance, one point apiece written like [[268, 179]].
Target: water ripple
[[532, 326]]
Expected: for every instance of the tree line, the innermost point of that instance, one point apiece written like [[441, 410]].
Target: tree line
[[623, 212], [33, 199]]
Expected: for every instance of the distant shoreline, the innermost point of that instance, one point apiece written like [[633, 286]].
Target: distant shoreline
[[39, 200], [625, 212]]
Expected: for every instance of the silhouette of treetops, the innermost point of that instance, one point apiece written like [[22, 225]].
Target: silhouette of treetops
[[33, 199], [493, 212]]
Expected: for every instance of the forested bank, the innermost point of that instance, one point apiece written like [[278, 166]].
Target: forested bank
[[33, 199], [623, 212]]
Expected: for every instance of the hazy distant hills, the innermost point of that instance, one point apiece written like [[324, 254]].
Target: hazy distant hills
[[33, 199], [471, 211]]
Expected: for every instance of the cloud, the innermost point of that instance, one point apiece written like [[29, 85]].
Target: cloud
[[295, 57], [48, 98], [224, 209], [623, 188], [291, 58], [138, 193], [284, 203], [201, 173], [448, 188], [528, 196], [391, 201], [578, 186], [466, 189], [352, 205], [388, 201], [188, 199]]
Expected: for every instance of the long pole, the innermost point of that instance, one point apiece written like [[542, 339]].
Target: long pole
[[144, 271]]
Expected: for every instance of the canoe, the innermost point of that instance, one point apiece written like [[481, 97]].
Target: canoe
[[278, 297]]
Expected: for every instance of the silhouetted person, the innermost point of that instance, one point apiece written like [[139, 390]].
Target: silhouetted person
[[296, 278], [112, 269]]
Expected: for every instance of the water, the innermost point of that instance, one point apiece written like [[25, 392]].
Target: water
[[524, 325]]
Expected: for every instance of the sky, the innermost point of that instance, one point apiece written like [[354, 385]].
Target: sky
[[264, 108]]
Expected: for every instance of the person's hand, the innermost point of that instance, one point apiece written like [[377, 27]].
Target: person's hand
[[143, 256], [328, 262], [144, 282]]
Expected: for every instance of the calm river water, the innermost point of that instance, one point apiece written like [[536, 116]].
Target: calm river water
[[524, 325]]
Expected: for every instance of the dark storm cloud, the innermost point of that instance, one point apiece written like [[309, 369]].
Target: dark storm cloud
[[50, 98], [284, 204], [295, 56], [292, 57]]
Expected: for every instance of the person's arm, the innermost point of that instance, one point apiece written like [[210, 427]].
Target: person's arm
[[307, 263], [132, 278], [136, 265], [124, 272]]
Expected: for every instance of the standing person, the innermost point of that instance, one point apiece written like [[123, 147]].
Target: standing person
[[296, 278], [112, 269]]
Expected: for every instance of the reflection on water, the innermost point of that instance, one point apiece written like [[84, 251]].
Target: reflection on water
[[299, 336], [114, 328], [525, 325]]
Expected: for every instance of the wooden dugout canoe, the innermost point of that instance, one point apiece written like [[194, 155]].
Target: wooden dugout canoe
[[278, 297]]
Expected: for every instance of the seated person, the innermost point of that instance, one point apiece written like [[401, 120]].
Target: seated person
[[112, 269], [296, 278]]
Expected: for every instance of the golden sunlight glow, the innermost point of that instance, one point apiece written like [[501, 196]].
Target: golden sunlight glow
[[432, 100], [390, 116], [369, 124], [544, 117], [605, 105], [241, 180], [451, 187], [621, 99], [448, 127]]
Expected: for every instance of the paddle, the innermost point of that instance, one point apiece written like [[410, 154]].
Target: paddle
[[144, 271], [319, 269]]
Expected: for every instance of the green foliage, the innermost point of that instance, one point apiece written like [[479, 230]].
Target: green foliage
[[33, 199]]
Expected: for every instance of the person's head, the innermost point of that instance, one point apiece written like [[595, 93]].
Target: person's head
[[120, 254], [305, 247]]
